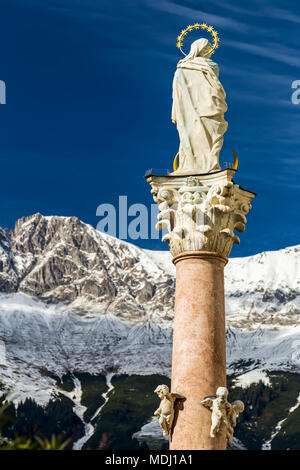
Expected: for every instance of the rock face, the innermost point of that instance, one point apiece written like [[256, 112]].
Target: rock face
[[63, 260], [60, 259], [74, 299], [8, 275], [264, 289]]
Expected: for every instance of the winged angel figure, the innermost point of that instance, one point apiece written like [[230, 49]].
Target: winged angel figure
[[165, 411], [223, 414]]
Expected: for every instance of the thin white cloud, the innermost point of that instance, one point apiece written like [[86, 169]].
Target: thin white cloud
[[257, 74], [88, 8], [283, 15], [267, 100], [237, 9], [291, 161], [198, 15], [259, 10], [273, 51]]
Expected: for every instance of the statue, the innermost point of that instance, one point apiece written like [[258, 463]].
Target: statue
[[219, 407], [223, 414], [165, 411], [198, 110], [237, 407]]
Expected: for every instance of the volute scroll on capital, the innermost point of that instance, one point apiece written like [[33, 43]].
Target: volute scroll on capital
[[201, 212]]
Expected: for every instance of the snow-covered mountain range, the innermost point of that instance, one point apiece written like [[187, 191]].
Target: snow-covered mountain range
[[75, 300]]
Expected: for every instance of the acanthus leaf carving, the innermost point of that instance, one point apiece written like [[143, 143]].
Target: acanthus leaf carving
[[201, 212]]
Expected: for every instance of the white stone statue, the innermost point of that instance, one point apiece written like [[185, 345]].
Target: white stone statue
[[223, 414], [237, 407], [198, 110], [165, 411]]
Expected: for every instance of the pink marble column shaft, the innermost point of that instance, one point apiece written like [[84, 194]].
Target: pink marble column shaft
[[199, 346]]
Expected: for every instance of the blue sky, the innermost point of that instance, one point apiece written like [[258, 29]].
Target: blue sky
[[89, 103]]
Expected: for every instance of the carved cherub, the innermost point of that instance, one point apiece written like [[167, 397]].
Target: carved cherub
[[219, 407], [224, 414], [236, 408], [165, 411]]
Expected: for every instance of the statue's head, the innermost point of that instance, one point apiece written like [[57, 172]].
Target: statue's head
[[201, 48], [238, 406], [162, 391], [222, 393]]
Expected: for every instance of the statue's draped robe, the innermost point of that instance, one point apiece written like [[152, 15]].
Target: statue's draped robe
[[198, 112]]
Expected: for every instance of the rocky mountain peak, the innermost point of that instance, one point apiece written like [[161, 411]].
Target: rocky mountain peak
[[61, 259]]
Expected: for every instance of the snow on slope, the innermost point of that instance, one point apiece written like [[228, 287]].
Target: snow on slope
[[41, 340], [74, 299], [264, 289], [61, 259], [252, 377]]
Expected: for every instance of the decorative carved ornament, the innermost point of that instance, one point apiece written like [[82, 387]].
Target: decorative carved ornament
[[201, 213], [165, 411], [223, 413]]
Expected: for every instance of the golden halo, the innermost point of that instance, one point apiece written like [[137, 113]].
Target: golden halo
[[210, 29]]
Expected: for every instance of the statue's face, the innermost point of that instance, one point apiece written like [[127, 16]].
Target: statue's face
[[222, 394], [161, 392], [206, 50], [239, 406], [201, 48]]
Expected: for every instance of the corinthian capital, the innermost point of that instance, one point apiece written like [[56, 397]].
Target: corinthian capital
[[201, 213]]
